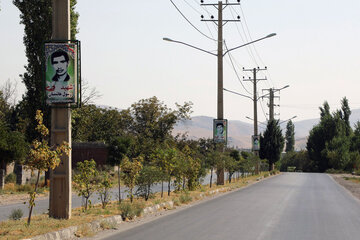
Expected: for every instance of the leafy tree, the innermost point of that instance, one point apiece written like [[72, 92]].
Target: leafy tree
[[300, 160], [272, 143], [118, 149], [290, 136], [36, 15], [131, 170], [42, 156], [85, 181], [148, 176], [233, 163], [103, 188], [329, 142], [12, 146], [152, 123]]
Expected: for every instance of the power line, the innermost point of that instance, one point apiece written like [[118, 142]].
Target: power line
[[197, 11], [248, 48], [191, 23], [237, 76], [256, 52]]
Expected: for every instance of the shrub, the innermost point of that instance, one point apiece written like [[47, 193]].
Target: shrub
[[266, 175], [176, 201], [10, 178], [127, 211], [185, 197], [16, 214], [130, 210], [25, 188]]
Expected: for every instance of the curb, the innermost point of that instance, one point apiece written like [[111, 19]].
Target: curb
[[96, 226]]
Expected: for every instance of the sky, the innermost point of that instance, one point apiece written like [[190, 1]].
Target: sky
[[316, 51]]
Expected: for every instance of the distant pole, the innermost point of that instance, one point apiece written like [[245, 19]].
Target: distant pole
[[255, 99], [60, 177], [271, 105]]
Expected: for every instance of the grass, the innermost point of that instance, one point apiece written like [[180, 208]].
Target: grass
[[353, 179], [41, 224]]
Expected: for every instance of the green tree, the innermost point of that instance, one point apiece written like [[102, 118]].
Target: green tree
[[131, 171], [148, 176], [152, 123], [272, 143], [85, 181], [329, 142], [290, 136], [118, 149], [36, 16], [42, 156], [103, 188]]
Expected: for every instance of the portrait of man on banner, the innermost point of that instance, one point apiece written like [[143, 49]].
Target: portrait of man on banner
[[256, 143], [60, 76], [220, 131]]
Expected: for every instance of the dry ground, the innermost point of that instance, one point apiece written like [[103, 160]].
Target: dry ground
[[351, 186]]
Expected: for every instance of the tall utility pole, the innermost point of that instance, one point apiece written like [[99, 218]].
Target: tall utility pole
[[271, 100], [254, 80], [60, 177], [220, 55]]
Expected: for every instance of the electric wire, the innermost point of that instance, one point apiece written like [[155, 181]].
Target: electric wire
[[248, 49], [256, 52], [262, 108], [233, 66], [197, 11], [191, 23]]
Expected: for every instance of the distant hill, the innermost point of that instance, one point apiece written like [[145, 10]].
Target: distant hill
[[240, 132]]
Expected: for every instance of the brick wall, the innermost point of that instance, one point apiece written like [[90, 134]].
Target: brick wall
[[87, 151]]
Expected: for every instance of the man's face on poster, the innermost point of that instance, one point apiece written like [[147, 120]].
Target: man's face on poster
[[220, 129], [60, 65]]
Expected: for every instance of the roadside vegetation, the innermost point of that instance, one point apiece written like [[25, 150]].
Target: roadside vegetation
[[333, 145], [41, 224]]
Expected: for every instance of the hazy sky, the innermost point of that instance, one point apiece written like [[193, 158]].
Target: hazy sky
[[316, 52]]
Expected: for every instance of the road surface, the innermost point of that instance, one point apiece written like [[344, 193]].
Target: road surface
[[291, 206]]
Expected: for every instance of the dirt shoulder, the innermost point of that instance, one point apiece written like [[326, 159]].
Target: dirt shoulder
[[7, 199], [351, 186]]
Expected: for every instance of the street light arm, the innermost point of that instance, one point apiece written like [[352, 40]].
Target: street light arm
[[238, 94], [288, 120], [170, 40], [268, 36]]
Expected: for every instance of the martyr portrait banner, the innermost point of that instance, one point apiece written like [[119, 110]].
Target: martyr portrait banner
[[61, 81]]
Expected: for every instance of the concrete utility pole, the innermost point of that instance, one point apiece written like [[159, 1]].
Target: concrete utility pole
[[220, 55], [271, 100], [255, 99], [60, 177]]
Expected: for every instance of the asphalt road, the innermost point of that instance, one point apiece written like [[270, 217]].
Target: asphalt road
[[42, 206], [290, 206]]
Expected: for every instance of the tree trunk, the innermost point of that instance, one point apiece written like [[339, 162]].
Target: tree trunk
[[131, 195], [183, 183], [230, 177], [169, 186], [32, 205], [211, 175], [119, 184], [162, 188]]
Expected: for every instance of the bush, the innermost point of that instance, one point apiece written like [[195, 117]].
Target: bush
[[185, 197], [129, 211], [16, 214], [334, 171], [10, 178]]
